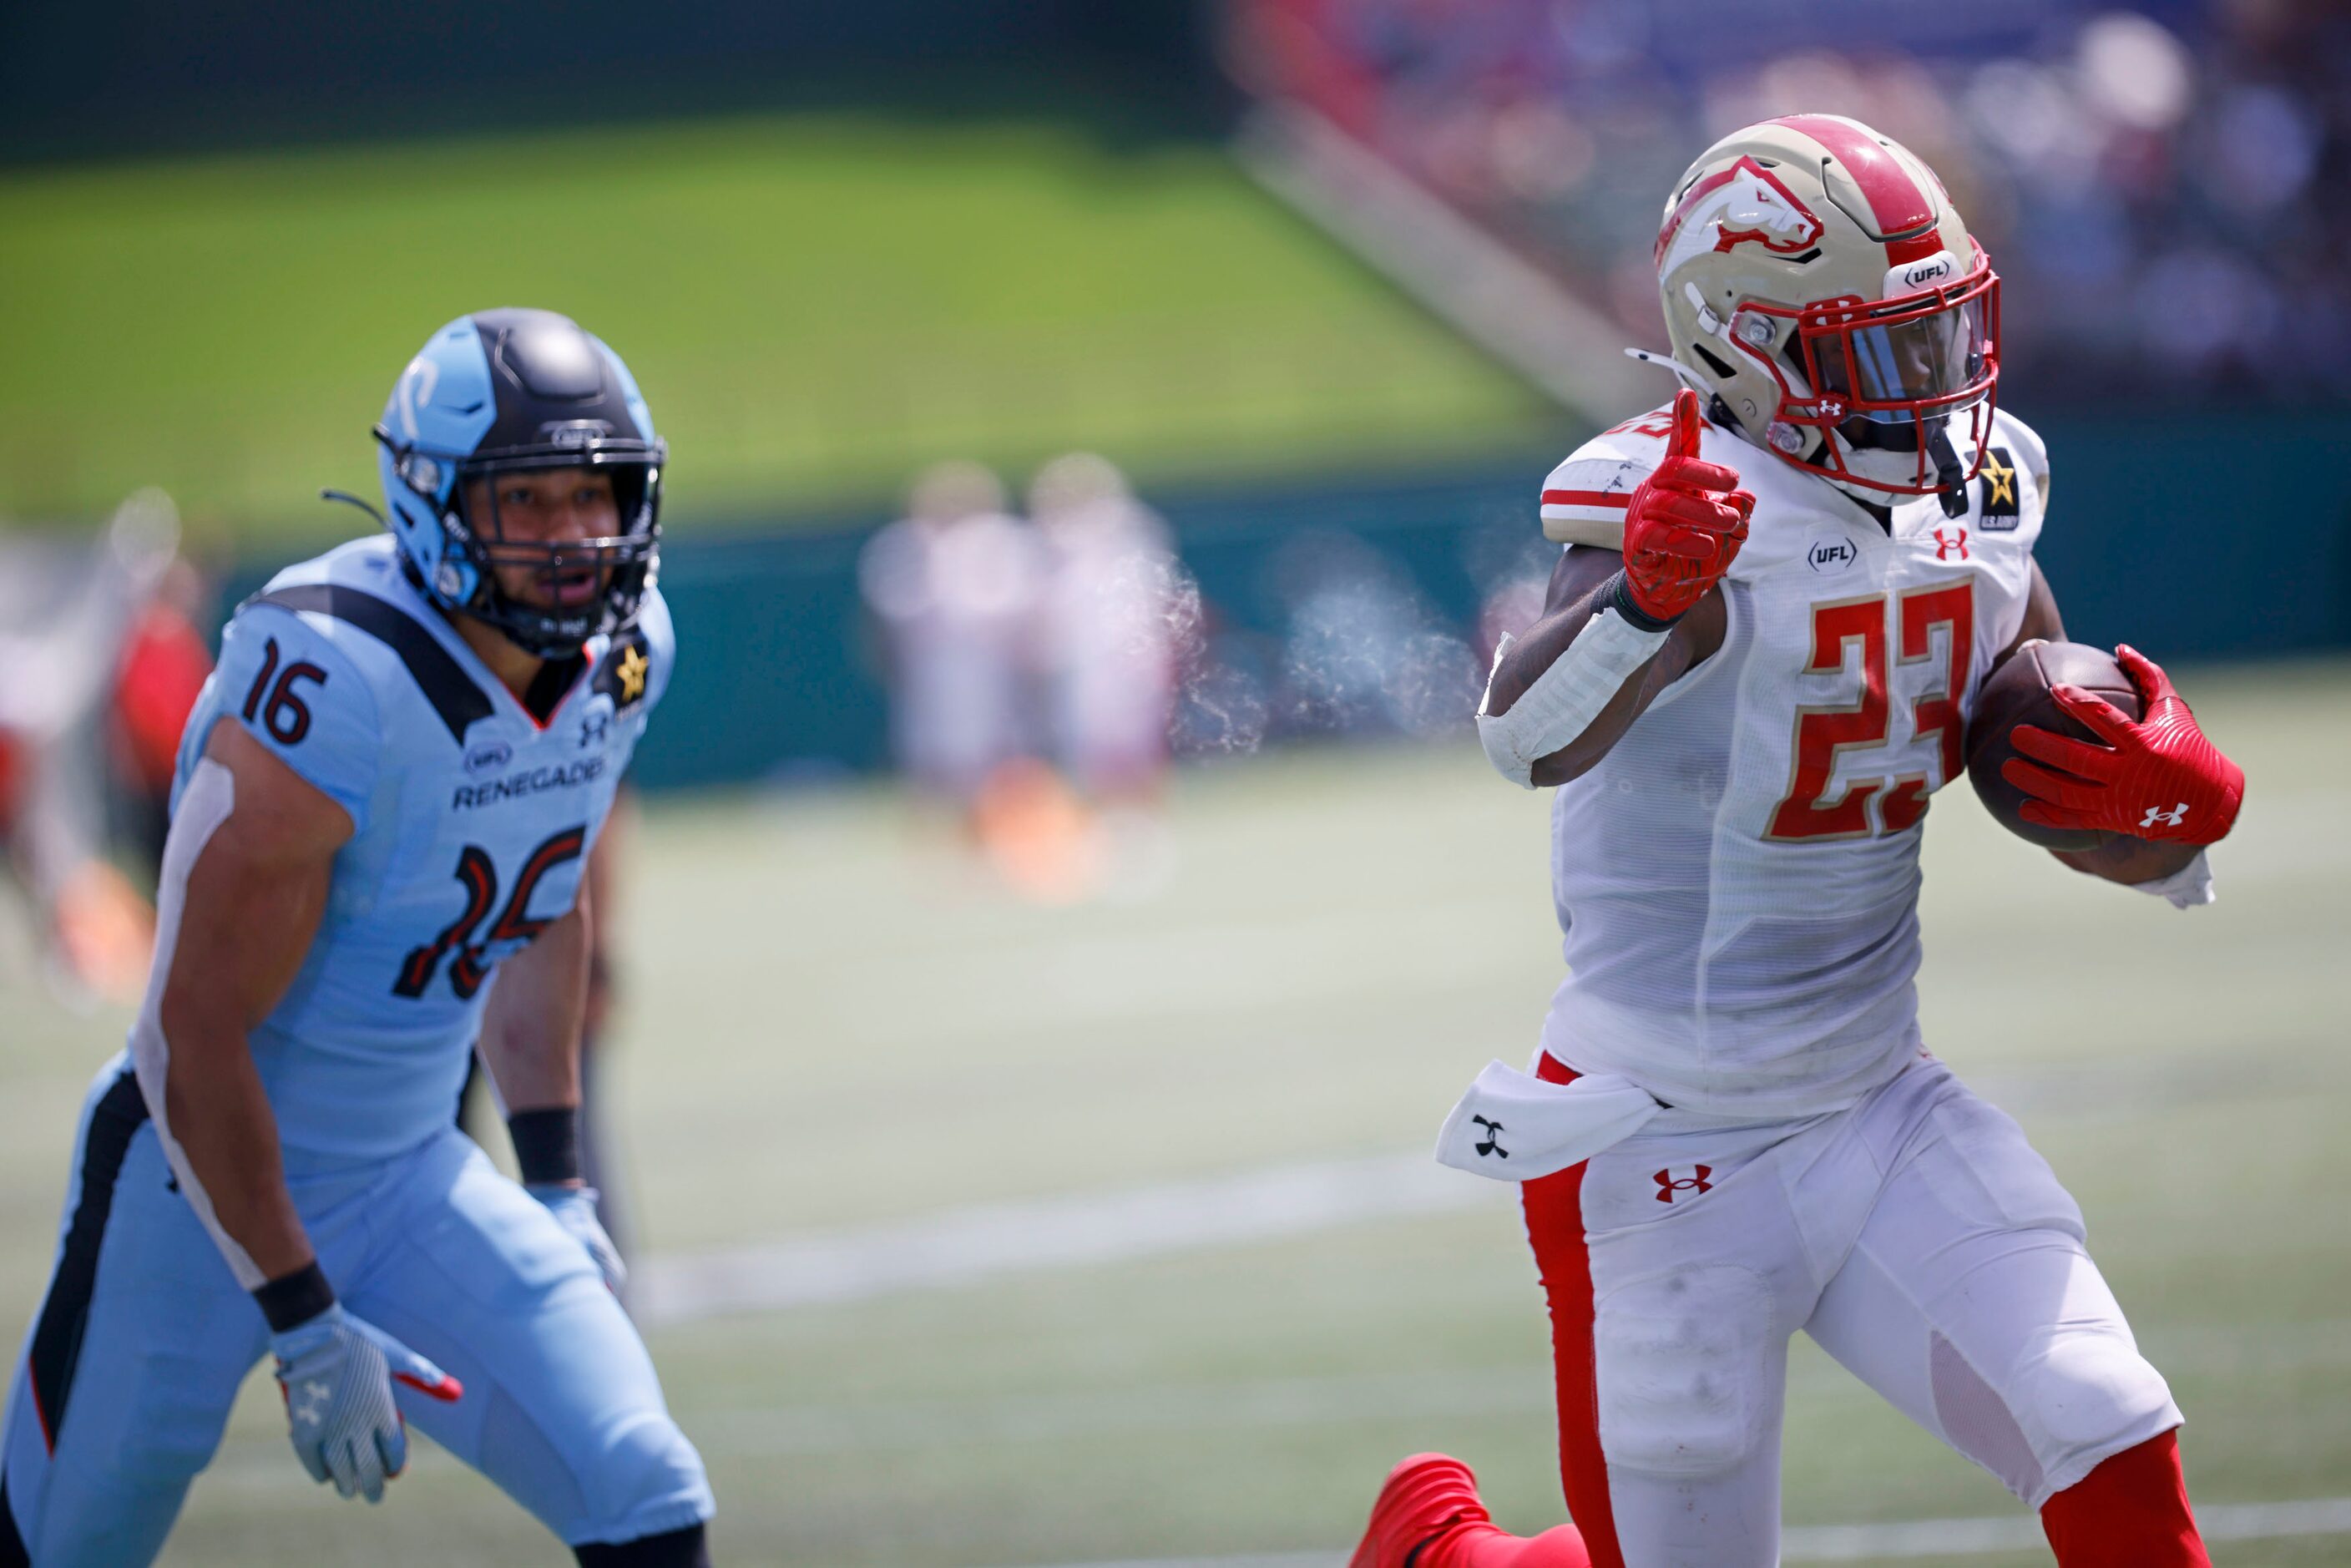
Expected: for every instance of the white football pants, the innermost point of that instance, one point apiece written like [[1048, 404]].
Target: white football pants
[[1916, 1236]]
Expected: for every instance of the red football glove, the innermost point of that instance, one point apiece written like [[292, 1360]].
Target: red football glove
[[1685, 524], [2159, 779]]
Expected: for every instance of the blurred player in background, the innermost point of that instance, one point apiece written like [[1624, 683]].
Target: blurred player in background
[[958, 590], [97, 683], [953, 588], [1106, 640], [157, 680], [383, 802], [1784, 593], [1106, 629]]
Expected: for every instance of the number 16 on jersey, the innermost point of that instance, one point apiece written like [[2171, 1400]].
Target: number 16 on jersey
[[479, 877]]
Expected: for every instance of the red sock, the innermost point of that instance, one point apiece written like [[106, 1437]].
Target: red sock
[[2131, 1511], [1490, 1546]]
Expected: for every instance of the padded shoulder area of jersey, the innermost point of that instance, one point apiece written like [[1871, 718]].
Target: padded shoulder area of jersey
[[2031, 453], [661, 643], [356, 596], [310, 694], [1586, 498], [370, 565], [633, 669]]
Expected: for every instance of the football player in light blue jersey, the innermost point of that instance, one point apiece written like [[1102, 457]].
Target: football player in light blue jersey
[[385, 800]]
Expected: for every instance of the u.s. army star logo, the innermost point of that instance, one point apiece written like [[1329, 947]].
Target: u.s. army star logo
[[2003, 482], [632, 673], [1999, 511]]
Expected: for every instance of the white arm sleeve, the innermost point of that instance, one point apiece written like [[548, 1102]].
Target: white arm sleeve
[[1565, 698]]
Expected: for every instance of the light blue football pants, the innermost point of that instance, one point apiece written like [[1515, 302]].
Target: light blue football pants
[[144, 1336]]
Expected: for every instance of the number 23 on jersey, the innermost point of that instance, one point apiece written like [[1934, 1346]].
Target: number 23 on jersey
[[1906, 620]]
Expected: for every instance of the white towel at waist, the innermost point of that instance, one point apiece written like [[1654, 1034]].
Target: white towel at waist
[[1515, 1127]]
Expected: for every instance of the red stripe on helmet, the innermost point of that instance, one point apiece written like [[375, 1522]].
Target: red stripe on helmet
[[1896, 199]]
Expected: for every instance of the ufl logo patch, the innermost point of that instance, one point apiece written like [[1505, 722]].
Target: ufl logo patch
[[1829, 557], [488, 758]]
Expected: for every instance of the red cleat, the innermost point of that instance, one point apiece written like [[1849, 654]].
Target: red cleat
[[1422, 1497]]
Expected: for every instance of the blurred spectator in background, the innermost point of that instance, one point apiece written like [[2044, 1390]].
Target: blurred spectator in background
[[2167, 186]]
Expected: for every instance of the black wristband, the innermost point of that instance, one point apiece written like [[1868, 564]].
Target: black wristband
[[1619, 598], [292, 1300], [546, 1145]]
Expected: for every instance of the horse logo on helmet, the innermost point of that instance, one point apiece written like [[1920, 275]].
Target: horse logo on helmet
[[1745, 203]]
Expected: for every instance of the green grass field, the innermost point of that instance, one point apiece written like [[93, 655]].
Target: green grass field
[[816, 306], [835, 1029]]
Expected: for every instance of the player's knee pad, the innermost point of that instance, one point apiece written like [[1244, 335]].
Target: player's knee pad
[[1684, 1370], [648, 1480]]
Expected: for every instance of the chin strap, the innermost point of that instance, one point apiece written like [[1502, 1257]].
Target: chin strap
[[1674, 367], [1951, 478], [347, 500], [1718, 411]]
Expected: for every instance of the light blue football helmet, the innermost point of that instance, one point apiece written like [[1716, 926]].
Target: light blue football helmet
[[507, 390]]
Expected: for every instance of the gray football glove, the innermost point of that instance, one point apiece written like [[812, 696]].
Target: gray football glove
[[337, 1372]]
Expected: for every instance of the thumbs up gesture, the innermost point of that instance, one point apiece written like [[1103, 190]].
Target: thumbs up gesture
[[1683, 526]]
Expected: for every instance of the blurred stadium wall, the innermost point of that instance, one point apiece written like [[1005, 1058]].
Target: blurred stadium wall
[[777, 679], [126, 76]]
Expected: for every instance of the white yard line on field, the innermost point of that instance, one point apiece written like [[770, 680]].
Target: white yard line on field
[[1916, 1538], [957, 1247]]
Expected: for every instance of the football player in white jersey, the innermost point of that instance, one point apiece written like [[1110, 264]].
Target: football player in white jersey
[[1782, 596]]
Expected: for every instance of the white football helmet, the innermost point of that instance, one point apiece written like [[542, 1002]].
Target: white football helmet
[[1818, 281]]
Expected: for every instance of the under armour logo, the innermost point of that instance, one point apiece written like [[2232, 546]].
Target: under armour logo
[[1694, 1183], [1492, 1144], [2173, 818], [1947, 541], [312, 1409], [593, 728]]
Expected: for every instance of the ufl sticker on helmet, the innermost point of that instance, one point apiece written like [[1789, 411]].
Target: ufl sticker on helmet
[[1911, 276]]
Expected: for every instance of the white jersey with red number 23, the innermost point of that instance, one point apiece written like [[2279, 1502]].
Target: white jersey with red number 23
[[1738, 879]]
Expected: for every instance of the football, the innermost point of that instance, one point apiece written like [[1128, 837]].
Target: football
[[2019, 692]]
